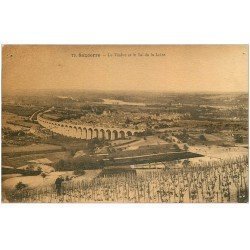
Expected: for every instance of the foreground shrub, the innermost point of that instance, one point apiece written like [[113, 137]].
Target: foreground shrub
[[20, 186]]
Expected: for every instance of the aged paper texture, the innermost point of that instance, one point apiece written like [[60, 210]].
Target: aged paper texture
[[127, 124]]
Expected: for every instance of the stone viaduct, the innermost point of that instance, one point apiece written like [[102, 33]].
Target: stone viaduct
[[85, 132]]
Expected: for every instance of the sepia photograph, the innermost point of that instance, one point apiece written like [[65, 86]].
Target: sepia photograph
[[125, 124]]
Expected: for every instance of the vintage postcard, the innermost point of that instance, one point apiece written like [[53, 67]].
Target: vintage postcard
[[125, 124]]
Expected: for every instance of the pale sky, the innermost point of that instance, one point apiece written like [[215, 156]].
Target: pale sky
[[182, 69]]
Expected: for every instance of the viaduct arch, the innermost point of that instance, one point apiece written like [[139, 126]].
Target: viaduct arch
[[85, 132]]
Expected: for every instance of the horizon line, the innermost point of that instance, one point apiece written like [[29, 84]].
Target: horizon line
[[123, 90]]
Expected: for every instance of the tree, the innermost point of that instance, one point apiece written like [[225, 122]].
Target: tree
[[186, 147], [128, 121], [202, 138], [93, 144], [43, 175], [176, 146], [238, 138], [185, 163], [72, 152], [59, 165]]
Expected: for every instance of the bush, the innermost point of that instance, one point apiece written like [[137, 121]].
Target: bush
[[79, 172], [186, 163], [202, 138], [62, 165], [20, 186], [67, 178], [43, 175], [176, 146], [238, 138]]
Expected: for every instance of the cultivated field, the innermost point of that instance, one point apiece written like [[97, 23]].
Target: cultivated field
[[224, 181], [30, 149]]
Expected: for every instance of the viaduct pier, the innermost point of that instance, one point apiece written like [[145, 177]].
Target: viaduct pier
[[85, 132]]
